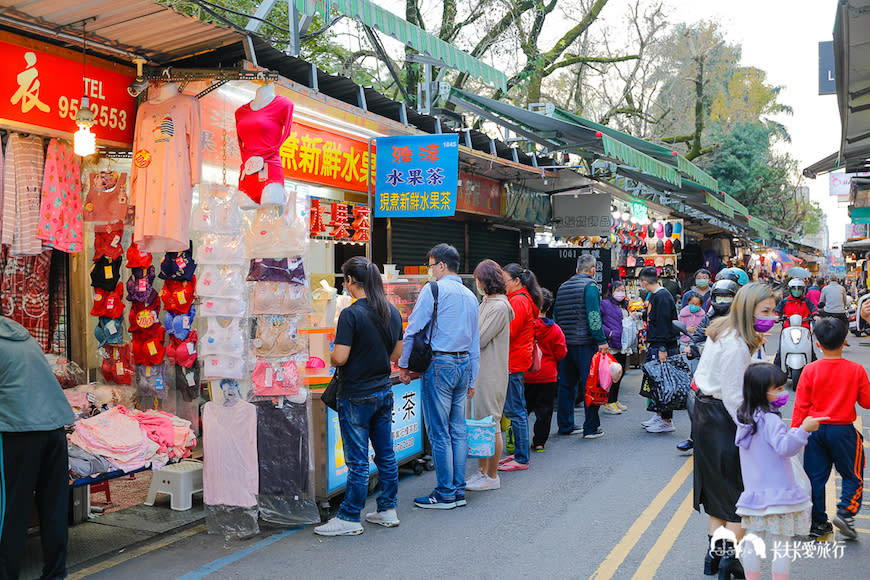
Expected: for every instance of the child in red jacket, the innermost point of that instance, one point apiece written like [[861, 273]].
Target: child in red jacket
[[831, 387], [541, 385]]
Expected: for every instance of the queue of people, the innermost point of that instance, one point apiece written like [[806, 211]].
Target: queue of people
[[504, 356]]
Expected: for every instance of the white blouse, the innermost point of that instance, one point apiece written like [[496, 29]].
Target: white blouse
[[720, 371]]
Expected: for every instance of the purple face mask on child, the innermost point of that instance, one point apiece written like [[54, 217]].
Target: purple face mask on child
[[764, 323], [780, 401]]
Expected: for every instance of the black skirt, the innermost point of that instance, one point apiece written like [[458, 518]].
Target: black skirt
[[717, 477]]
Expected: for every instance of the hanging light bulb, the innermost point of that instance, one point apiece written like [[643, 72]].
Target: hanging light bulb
[[625, 216], [615, 215], [84, 142]]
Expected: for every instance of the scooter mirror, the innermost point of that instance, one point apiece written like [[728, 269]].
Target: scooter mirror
[[681, 327]]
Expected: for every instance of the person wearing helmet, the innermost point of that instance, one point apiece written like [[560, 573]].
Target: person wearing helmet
[[735, 274], [796, 303], [700, 288]]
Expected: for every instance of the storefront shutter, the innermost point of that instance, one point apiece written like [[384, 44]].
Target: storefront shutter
[[500, 245], [414, 237]]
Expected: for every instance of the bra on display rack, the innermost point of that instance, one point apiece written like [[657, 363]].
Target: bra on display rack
[[151, 380], [222, 307], [223, 367], [221, 249], [108, 304], [116, 366], [179, 325], [218, 212], [223, 336], [109, 331], [275, 337], [276, 270], [279, 379], [106, 273], [143, 316], [137, 258], [139, 285], [177, 296], [271, 236], [148, 348], [178, 265], [107, 240], [221, 281], [183, 352], [280, 298], [187, 383]]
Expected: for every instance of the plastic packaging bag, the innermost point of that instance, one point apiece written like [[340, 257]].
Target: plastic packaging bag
[[667, 384], [596, 395], [629, 334], [481, 436]]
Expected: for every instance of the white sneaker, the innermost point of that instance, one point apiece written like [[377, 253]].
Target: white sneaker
[[386, 518], [485, 483], [611, 409], [474, 479], [662, 427], [622, 407], [339, 527], [651, 421]]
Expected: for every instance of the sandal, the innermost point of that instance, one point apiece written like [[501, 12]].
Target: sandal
[[505, 459], [539, 449], [513, 466]]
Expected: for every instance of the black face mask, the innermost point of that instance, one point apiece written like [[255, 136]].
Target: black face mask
[[721, 309]]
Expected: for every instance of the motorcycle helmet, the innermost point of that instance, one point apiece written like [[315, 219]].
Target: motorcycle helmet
[[722, 295], [735, 275], [797, 287]]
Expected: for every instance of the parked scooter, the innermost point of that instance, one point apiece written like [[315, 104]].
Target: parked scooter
[[795, 348]]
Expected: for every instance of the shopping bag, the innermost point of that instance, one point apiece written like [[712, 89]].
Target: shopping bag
[[629, 334], [667, 384], [481, 436], [595, 395]]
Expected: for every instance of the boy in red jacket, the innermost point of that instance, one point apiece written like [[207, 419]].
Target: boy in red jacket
[[541, 384], [831, 387]]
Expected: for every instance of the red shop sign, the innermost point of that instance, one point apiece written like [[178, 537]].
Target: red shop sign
[[478, 195], [319, 156], [39, 89]]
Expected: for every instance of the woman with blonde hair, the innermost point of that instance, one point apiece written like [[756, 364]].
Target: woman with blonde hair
[[733, 343]]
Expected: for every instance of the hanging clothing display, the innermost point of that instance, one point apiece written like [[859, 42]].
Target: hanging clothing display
[[22, 182], [105, 189], [60, 214], [261, 134], [230, 475], [167, 159], [25, 295]]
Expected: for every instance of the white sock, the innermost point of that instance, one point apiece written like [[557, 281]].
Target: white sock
[[749, 557]]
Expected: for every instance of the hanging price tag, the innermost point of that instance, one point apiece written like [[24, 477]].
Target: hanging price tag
[[143, 285], [152, 348], [119, 368], [190, 379], [107, 272], [191, 348], [182, 299], [158, 384], [115, 241]]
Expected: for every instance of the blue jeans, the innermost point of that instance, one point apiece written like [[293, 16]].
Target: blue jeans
[[573, 371], [515, 410], [362, 419], [445, 389]]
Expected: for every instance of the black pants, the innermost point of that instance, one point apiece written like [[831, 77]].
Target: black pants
[[622, 359], [842, 447], [34, 461], [539, 400]]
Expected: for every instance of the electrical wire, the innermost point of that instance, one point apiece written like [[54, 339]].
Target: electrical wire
[[207, 6]]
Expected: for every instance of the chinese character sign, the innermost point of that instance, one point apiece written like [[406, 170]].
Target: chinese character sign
[[416, 176], [42, 89], [318, 156]]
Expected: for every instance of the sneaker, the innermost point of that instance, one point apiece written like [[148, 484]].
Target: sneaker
[[611, 409], [339, 527], [686, 446], [662, 427], [818, 530], [430, 502], [386, 518], [598, 433], [573, 431], [621, 406], [474, 479], [486, 483], [513, 466], [460, 500], [651, 421], [845, 522]]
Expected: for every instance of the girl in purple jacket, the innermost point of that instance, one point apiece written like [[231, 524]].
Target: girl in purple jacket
[[773, 506]]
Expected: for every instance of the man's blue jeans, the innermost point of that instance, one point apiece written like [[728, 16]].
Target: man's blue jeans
[[361, 419], [574, 370], [445, 389], [515, 410]]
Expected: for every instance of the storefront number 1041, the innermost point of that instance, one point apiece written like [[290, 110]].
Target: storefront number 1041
[[105, 116]]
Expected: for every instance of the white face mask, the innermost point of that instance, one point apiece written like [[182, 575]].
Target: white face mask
[[479, 290], [619, 296]]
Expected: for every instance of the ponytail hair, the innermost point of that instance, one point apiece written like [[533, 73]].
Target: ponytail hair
[[367, 274], [528, 279]]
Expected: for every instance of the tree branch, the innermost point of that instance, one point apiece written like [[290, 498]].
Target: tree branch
[[573, 59]]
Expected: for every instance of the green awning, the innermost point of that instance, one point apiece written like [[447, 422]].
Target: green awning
[[738, 207], [373, 15], [760, 226], [697, 173], [639, 160], [860, 215], [718, 205]]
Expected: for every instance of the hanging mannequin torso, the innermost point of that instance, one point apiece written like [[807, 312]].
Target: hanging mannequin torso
[[164, 92], [262, 178], [265, 95]]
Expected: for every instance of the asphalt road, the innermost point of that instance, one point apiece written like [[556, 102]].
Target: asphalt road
[[616, 507]]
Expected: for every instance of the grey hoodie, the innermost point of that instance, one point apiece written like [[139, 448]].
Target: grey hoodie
[[30, 397]]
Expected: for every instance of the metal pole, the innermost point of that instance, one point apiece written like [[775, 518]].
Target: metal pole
[[369, 202]]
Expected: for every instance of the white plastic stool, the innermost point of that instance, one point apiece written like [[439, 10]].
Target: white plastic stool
[[180, 481]]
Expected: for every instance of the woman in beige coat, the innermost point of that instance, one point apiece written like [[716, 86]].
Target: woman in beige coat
[[492, 380]]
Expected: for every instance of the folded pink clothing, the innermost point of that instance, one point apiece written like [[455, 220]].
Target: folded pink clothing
[[114, 435], [157, 427]]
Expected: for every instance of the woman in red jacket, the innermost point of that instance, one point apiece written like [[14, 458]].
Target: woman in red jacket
[[524, 295], [541, 384]]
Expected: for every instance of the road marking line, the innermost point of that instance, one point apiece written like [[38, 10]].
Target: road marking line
[[863, 531], [136, 552], [216, 565], [663, 545], [621, 550]]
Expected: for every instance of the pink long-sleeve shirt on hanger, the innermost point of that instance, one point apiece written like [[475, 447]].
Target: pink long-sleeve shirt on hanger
[[167, 160]]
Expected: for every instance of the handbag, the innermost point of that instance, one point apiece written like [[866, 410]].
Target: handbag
[[330, 394], [481, 436], [421, 351]]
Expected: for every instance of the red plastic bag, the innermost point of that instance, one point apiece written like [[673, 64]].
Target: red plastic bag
[[595, 395]]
